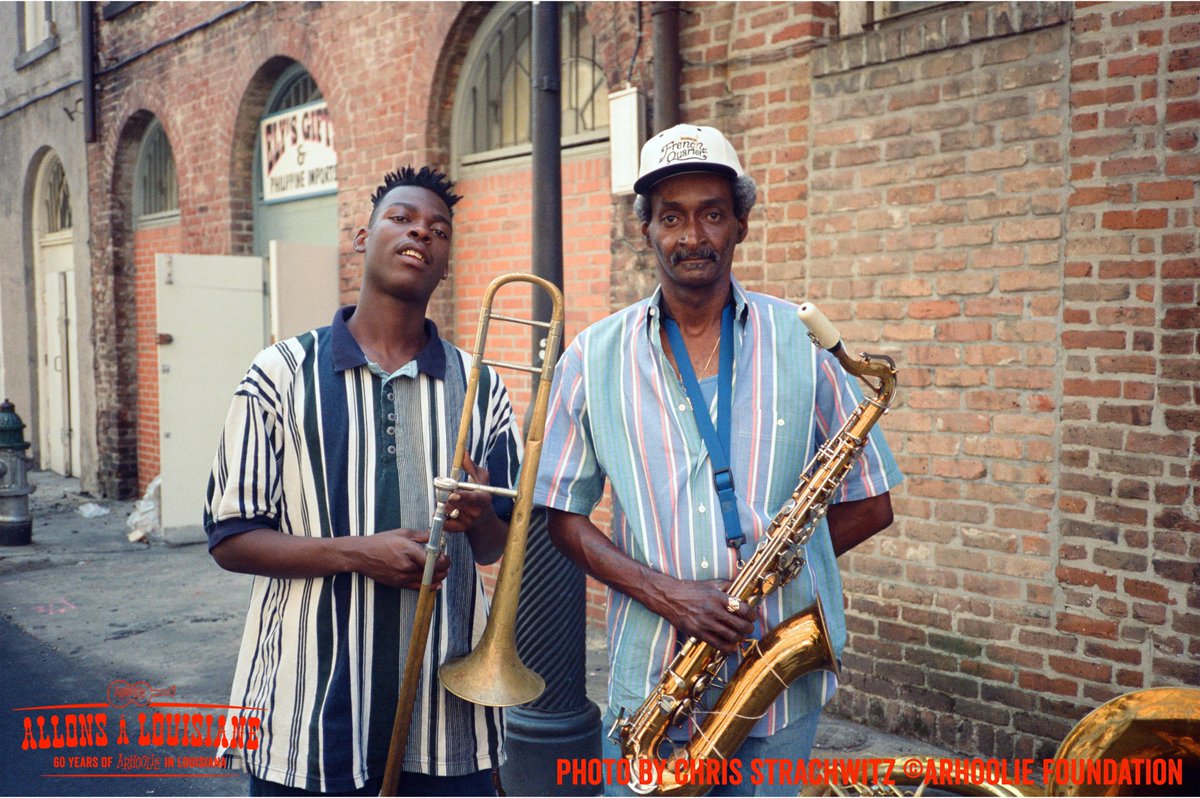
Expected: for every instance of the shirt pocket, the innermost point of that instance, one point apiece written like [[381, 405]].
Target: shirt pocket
[[772, 455]]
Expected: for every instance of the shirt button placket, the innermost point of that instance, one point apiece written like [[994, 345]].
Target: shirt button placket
[[389, 399]]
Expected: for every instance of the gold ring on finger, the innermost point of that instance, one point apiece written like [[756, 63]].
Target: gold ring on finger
[[454, 513]]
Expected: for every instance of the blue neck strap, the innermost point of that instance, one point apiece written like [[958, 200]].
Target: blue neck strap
[[717, 440]]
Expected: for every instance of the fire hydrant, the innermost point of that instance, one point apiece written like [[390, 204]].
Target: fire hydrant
[[16, 524]]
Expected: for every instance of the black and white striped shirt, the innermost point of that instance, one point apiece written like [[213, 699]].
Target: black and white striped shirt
[[320, 443]]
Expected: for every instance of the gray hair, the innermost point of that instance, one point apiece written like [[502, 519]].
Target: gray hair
[[745, 194]]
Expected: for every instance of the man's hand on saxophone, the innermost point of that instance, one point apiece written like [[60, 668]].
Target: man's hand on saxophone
[[701, 610], [695, 609]]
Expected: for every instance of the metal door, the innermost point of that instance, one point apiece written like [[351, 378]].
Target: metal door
[[210, 326], [304, 287], [58, 366]]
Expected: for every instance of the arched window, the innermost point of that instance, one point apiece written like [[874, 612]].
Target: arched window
[[294, 87], [155, 191], [493, 101], [290, 166], [295, 177], [56, 199]]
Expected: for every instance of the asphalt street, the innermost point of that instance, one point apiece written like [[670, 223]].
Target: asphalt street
[[38, 676], [88, 622]]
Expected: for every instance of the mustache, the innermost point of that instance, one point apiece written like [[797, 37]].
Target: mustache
[[703, 253]]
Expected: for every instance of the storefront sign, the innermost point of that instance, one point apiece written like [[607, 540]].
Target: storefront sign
[[298, 156]]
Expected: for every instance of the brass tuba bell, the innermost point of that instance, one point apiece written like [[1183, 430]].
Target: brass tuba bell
[[1159, 724]]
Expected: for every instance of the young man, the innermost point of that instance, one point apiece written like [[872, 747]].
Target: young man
[[323, 489], [621, 411]]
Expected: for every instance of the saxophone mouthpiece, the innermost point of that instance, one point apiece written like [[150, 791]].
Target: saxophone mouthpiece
[[820, 328]]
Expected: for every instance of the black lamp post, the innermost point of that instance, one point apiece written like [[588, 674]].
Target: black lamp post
[[551, 620]]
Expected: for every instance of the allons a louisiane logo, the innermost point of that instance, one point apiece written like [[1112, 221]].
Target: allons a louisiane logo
[[684, 148]]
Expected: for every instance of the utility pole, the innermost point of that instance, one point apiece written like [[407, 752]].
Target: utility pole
[[551, 620]]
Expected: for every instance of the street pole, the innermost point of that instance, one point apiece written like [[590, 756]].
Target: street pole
[[551, 619]]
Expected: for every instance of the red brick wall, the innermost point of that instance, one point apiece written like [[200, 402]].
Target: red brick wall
[[1127, 568], [1004, 200], [147, 243], [747, 75], [492, 237], [935, 222]]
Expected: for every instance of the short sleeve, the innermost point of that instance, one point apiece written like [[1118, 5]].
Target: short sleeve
[[244, 488], [875, 471], [569, 476]]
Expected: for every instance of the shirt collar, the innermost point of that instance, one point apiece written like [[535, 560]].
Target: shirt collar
[[741, 304], [347, 354]]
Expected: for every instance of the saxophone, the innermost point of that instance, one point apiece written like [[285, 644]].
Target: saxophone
[[798, 645]]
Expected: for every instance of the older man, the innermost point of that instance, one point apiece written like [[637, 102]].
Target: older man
[[644, 397]]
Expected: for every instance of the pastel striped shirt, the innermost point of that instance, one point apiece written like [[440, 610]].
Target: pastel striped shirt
[[618, 412], [319, 443]]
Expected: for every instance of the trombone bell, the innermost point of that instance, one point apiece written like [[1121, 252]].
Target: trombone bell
[[492, 675]]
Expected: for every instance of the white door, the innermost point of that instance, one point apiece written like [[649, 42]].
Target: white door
[[58, 367], [210, 326], [304, 287]]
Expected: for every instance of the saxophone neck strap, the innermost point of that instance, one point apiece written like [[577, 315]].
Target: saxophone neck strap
[[717, 440]]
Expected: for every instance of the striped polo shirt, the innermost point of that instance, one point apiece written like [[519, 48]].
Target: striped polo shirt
[[619, 412], [320, 443]]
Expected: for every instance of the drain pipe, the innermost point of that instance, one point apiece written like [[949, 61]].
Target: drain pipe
[[667, 64], [87, 36]]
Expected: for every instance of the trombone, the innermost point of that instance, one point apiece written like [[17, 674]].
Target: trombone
[[492, 674]]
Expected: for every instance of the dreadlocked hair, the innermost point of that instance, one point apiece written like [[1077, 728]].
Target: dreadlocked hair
[[427, 177]]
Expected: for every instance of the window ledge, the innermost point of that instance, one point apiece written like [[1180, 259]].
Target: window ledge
[[161, 219], [26, 58], [112, 10], [522, 157], [525, 149], [59, 237], [934, 29]]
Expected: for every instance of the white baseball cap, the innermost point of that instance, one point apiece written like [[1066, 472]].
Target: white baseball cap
[[686, 148]]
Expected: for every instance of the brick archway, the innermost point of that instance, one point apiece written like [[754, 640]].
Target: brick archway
[[117, 320], [241, 155]]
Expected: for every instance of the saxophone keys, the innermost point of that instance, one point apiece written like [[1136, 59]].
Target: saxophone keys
[[768, 583]]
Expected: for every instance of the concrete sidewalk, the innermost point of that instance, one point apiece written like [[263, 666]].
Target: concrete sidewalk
[[168, 615]]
